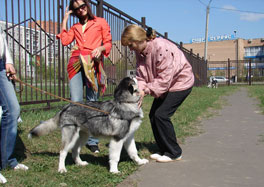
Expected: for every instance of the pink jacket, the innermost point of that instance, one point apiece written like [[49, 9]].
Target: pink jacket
[[162, 67]]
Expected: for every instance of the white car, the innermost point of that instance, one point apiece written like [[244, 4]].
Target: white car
[[219, 79]]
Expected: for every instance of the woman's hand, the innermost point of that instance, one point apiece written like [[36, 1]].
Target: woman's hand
[[97, 52], [10, 71], [67, 12], [65, 18], [141, 94]]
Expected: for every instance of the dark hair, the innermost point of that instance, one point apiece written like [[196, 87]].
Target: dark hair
[[149, 32], [89, 10]]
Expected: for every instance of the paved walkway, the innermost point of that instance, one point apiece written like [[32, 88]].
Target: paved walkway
[[230, 152]]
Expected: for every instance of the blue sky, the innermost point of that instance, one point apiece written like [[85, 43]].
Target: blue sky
[[185, 19]]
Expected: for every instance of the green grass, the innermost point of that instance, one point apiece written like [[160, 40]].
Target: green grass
[[42, 154], [258, 92]]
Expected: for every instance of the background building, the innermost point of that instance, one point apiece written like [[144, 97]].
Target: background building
[[32, 45], [239, 51], [234, 49]]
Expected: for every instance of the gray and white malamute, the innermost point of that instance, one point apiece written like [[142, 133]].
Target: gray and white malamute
[[77, 123]]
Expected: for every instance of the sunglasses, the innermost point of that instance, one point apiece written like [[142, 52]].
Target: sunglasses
[[79, 8]]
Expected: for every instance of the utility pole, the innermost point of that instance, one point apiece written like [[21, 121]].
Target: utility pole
[[206, 30], [236, 54]]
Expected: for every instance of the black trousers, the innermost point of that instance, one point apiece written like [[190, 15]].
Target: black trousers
[[161, 111]]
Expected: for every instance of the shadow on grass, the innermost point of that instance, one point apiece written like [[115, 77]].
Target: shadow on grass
[[90, 158], [150, 146], [101, 158], [20, 149]]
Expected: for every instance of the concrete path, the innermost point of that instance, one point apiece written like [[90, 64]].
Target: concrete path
[[230, 152]]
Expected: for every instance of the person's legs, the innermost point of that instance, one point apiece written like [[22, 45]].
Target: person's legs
[[155, 105], [76, 90], [11, 111], [91, 95], [76, 87], [162, 126]]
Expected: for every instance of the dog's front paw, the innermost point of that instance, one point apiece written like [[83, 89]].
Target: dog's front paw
[[114, 171], [142, 161], [62, 170], [82, 163], [113, 166]]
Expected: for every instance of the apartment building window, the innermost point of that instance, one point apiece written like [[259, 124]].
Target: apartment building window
[[254, 52]]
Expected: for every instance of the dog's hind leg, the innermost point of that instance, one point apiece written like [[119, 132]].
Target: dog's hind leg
[[77, 148], [115, 148], [131, 148], [70, 134]]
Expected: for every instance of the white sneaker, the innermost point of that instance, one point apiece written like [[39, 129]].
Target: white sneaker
[[165, 158], [2, 179], [21, 167], [155, 156]]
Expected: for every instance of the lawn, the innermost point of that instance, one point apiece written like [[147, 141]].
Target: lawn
[[42, 154], [258, 92]]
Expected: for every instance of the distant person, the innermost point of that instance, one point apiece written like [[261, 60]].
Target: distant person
[[10, 109], [93, 38], [163, 72]]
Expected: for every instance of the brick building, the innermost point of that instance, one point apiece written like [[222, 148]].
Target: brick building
[[238, 50], [48, 26]]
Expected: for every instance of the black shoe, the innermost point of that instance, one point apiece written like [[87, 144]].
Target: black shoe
[[93, 148]]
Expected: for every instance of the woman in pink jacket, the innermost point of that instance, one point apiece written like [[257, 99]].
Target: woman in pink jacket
[[163, 72]]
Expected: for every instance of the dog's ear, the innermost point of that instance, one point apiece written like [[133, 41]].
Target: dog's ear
[[126, 84], [131, 88]]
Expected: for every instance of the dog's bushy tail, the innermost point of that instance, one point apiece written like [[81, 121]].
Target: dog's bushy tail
[[45, 127]]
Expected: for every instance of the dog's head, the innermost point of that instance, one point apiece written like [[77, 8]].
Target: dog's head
[[127, 90]]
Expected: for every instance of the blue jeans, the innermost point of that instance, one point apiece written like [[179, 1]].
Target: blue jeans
[[76, 89], [11, 111]]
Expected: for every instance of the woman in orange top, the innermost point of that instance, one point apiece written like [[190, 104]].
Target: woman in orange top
[[93, 37]]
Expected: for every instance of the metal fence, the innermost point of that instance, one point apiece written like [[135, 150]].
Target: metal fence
[[249, 71], [31, 27]]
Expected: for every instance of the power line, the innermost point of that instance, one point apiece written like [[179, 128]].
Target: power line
[[202, 3], [230, 9], [206, 31]]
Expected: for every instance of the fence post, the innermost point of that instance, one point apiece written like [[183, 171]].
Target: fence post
[[125, 50], [205, 70], [60, 11], [181, 44], [228, 72], [249, 73], [143, 21], [166, 35], [99, 8]]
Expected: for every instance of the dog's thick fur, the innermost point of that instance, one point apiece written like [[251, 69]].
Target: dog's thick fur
[[77, 123]]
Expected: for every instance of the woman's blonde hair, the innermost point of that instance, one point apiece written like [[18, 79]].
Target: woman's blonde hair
[[135, 33]]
